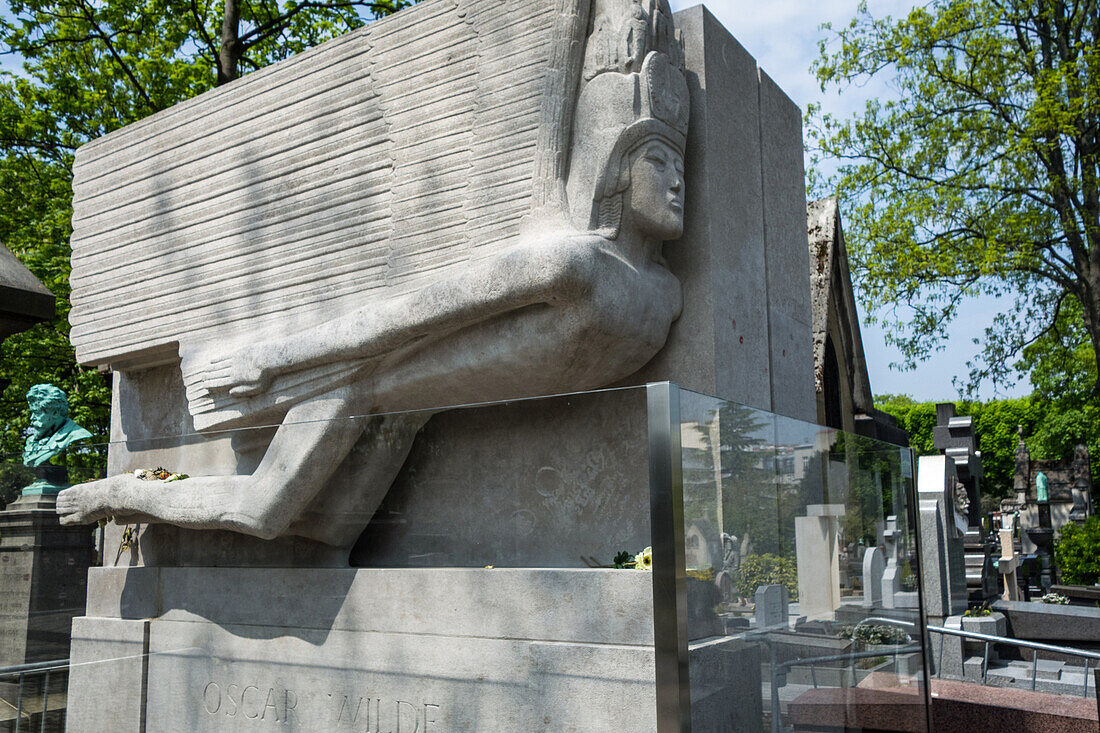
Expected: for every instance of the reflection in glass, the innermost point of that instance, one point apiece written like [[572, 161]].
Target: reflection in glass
[[801, 570]]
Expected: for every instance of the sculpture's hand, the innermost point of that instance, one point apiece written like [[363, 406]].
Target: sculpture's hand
[[240, 373], [87, 503]]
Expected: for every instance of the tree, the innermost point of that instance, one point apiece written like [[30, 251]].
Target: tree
[[270, 29], [90, 68], [979, 176], [1077, 552]]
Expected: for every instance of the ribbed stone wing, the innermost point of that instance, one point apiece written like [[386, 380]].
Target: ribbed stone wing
[[358, 170]]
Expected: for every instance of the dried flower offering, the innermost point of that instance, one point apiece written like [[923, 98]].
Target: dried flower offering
[[159, 474]]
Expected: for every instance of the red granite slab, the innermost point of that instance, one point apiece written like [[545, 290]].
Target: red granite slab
[[956, 706]]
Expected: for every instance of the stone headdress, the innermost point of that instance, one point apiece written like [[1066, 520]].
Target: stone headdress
[[633, 90]]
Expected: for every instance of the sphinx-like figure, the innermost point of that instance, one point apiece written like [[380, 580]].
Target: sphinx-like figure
[[581, 301]]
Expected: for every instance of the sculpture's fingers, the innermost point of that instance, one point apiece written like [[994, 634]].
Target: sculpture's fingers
[[246, 389], [218, 380]]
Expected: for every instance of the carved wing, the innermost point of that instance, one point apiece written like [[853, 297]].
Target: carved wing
[[359, 170]]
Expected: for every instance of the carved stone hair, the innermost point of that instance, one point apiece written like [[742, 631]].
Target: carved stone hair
[[48, 398]]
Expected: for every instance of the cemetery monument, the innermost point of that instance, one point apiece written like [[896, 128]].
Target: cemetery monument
[[43, 565], [467, 201]]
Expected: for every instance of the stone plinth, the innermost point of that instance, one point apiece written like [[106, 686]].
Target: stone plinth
[[42, 573], [943, 565], [816, 539], [196, 649]]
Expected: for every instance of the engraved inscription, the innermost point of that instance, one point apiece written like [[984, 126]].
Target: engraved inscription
[[273, 704], [386, 716], [280, 705]]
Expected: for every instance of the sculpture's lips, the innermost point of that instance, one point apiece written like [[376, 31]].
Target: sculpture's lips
[[676, 205]]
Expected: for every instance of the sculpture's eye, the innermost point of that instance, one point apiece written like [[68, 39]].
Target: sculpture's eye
[[656, 154]]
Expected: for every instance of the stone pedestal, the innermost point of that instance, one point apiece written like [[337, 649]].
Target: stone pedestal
[[43, 567], [943, 566], [817, 548], [410, 650]]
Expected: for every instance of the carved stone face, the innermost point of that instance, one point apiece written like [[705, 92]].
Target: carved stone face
[[655, 200]]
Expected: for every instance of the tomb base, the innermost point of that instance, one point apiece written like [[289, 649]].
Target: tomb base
[[398, 650], [42, 571]]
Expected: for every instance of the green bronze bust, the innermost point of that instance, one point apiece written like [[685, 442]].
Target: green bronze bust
[[52, 432]]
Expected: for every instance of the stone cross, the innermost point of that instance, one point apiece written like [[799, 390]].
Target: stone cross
[[954, 436], [1007, 565]]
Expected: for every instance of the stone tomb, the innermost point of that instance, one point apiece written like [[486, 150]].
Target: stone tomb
[[351, 179], [741, 337]]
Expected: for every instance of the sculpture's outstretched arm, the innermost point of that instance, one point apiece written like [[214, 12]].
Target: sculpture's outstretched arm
[[306, 450], [547, 270]]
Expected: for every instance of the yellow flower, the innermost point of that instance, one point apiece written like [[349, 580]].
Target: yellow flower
[[644, 559]]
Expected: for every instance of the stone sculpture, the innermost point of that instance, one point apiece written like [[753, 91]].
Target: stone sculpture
[[582, 300], [52, 432]]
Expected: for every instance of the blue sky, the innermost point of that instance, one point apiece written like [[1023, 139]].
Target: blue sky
[[783, 35]]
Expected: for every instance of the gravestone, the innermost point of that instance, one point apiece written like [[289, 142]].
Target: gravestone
[[954, 436], [873, 568], [1007, 564], [892, 594], [419, 216], [1069, 491], [942, 526], [817, 548], [772, 607]]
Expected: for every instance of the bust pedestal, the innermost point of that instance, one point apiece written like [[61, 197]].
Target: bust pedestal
[[43, 570]]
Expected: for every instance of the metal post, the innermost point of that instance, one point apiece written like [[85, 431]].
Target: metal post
[[776, 712], [666, 501], [939, 662], [1085, 689], [985, 662], [45, 700], [19, 705], [1034, 667], [813, 675]]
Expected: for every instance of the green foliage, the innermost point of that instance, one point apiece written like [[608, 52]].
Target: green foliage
[[90, 68], [767, 569], [753, 504], [1053, 425], [995, 423], [873, 471], [13, 478], [623, 560], [978, 175], [1077, 552]]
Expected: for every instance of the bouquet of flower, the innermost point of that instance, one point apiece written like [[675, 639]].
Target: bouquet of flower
[[159, 474], [1055, 598], [642, 561]]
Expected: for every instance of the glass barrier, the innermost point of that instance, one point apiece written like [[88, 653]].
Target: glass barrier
[[797, 569], [801, 574]]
